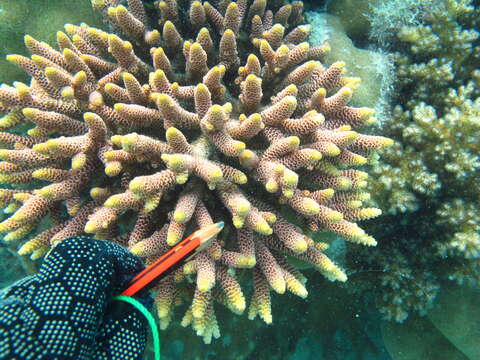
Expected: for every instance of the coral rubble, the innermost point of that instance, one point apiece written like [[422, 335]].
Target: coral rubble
[[211, 111]]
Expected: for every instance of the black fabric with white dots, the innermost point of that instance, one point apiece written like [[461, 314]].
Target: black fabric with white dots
[[65, 310]]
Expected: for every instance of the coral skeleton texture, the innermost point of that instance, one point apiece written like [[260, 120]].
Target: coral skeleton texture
[[210, 112]]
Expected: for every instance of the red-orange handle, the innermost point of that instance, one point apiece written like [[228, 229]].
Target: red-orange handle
[[165, 262]]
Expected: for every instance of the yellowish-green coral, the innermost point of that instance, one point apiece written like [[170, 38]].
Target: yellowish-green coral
[[428, 181]]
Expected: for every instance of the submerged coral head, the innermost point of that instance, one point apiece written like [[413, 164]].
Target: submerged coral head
[[210, 112]]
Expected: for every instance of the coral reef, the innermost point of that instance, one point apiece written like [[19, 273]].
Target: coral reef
[[386, 18], [428, 181], [367, 21], [217, 111], [353, 15]]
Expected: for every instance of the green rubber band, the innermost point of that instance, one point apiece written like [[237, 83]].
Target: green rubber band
[[151, 321]]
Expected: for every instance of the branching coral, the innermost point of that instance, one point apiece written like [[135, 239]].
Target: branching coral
[[216, 112], [431, 173]]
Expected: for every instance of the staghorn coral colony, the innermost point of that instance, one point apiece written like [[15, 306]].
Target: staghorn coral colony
[[209, 112]]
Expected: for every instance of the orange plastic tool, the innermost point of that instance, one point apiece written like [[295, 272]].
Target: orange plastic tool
[[173, 258]]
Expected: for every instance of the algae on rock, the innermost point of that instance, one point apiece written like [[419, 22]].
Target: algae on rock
[[375, 68]]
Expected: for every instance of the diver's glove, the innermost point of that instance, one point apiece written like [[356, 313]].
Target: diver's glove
[[65, 311]]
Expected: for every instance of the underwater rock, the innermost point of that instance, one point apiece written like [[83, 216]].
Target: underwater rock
[[354, 16], [374, 68], [416, 339], [456, 315]]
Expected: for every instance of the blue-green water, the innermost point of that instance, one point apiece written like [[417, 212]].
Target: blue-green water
[[413, 296]]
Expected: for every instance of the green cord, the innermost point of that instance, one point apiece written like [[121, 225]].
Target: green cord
[[151, 321]]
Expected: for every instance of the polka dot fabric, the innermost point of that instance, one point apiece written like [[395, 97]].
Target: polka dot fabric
[[65, 310]]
